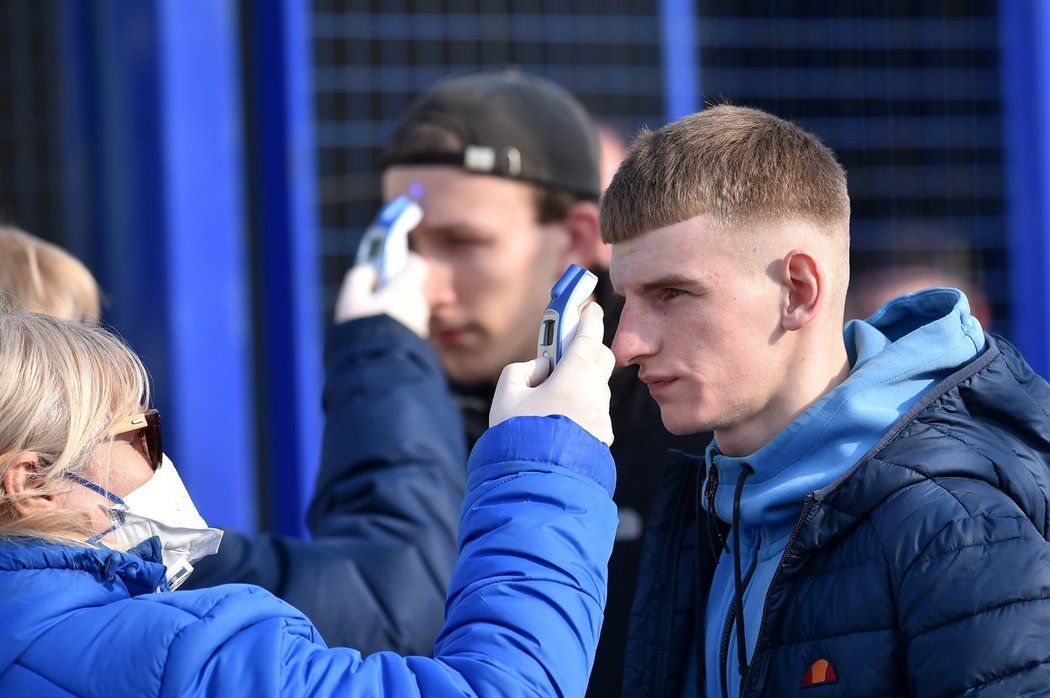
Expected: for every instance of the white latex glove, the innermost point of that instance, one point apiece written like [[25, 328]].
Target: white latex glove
[[578, 388], [403, 298]]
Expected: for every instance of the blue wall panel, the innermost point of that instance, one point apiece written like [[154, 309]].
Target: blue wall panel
[[210, 337], [153, 132], [1026, 91], [289, 258], [682, 91]]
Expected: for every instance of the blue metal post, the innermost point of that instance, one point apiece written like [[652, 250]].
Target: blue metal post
[[681, 57], [288, 258], [154, 132], [1025, 38]]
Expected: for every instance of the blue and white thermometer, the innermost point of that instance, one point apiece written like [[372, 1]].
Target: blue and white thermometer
[[385, 244], [561, 319]]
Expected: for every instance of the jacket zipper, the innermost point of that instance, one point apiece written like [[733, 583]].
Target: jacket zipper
[[772, 585], [699, 608], [711, 487], [723, 652], [714, 536]]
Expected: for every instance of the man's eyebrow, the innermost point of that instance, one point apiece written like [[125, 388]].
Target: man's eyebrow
[[669, 281], [455, 229]]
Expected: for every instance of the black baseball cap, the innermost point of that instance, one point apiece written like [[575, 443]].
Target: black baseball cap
[[505, 123]]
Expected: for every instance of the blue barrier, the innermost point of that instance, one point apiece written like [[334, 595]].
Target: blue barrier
[[156, 208], [1025, 34]]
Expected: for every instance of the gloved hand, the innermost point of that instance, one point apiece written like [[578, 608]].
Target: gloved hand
[[402, 298], [578, 388]]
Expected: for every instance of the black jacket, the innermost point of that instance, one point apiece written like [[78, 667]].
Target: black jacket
[[386, 507], [924, 570]]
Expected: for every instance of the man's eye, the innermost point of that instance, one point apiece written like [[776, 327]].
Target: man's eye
[[462, 241], [669, 293]]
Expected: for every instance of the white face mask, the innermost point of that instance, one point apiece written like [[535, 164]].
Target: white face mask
[[162, 507]]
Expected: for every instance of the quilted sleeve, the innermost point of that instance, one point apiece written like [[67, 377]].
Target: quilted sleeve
[[386, 506], [975, 609], [524, 609]]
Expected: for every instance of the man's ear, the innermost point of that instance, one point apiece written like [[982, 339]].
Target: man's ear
[[585, 241], [22, 484], [805, 289]]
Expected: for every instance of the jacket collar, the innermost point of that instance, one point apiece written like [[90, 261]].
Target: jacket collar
[[140, 569], [1000, 387], [905, 350]]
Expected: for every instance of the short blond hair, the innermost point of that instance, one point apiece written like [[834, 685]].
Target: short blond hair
[[736, 164], [40, 277], [64, 386]]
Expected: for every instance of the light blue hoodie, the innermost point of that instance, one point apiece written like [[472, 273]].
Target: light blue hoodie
[[897, 354]]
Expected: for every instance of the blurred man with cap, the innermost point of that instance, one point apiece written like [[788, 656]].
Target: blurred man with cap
[[506, 167]]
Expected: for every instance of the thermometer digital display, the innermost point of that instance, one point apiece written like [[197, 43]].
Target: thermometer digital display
[[385, 243], [561, 319]]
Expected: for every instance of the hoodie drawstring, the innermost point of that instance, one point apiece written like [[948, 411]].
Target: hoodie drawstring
[[741, 644]]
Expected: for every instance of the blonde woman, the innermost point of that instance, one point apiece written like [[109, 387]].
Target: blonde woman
[[40, 277], [95, 529]]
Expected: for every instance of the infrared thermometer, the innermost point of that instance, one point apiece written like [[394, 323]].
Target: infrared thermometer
[[561, 319], [385, 244]]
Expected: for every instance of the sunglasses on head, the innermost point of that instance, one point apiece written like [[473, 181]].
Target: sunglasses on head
[[149, 423]]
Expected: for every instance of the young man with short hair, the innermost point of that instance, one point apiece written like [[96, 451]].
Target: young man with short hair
[[871, 518]]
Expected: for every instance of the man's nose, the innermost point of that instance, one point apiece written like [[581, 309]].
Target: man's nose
[[440, 289], [629, 344]]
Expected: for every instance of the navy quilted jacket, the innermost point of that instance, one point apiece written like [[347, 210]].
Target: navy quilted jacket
[[924, 570]]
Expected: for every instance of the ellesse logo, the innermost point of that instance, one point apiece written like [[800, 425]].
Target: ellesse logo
[[820, 673]]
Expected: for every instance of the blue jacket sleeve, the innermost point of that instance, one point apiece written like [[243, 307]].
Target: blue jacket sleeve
[[525, 607], [975, 609], [386, 505]]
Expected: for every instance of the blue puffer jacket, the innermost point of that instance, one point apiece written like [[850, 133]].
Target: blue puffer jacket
[[523, 615], [386, 504], [924, 570]]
